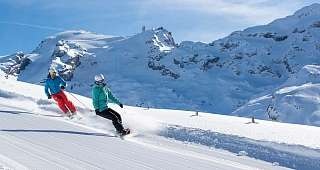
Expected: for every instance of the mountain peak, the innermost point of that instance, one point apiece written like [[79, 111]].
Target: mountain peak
[[310, 10], [302, 19], [81, 35], [160, 37]]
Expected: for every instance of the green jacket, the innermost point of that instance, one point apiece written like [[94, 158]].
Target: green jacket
[[101, 95]]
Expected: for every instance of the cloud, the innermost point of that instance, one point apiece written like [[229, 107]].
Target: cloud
[[251, 11], [195, 19], [32, 26], [201, 36], [206, 20]]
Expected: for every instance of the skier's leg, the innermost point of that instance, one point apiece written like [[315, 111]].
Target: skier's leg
[[115, 121], [116, 114], [67, 102], [60, 102]]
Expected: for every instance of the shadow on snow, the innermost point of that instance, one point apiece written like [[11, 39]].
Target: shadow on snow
[[55, 131], [24, 112]]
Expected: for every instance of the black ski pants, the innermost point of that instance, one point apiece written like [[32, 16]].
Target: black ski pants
[[114, 116]]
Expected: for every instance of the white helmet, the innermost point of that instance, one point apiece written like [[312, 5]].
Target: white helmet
[[52, 70], [99, 78]]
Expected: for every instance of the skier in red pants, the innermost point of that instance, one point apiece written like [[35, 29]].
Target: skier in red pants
[[54, 88]]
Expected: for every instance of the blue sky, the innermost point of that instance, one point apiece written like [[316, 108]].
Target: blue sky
[[24, 23]]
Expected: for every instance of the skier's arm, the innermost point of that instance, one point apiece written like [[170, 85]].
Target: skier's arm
[[95, 99], [112, 98], [46, 89], [62, 82]]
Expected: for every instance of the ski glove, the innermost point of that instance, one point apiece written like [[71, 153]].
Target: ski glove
[[62, 87], [121, 105], [49, 97], [97, 111]]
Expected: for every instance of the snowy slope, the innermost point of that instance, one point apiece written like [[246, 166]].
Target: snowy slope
[[296, 101], [35, 136], [149, 69]]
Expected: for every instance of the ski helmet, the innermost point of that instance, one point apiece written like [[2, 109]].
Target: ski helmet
[[99, 78], [52, 70]]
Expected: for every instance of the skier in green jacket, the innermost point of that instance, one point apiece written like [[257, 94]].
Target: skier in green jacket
[[101, 95]]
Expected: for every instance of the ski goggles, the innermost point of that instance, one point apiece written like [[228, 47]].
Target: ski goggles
[[99, 82]]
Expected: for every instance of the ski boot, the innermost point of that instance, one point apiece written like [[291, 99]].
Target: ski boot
[[124, 132]]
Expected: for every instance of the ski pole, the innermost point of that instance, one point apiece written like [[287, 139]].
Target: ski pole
[[80, 102]]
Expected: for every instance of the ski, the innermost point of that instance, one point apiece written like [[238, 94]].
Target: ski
[[125, 133]]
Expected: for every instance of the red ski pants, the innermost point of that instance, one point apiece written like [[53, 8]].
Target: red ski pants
[[63, 102]]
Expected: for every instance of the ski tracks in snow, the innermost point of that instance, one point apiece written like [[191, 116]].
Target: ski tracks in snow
[[39, 142]]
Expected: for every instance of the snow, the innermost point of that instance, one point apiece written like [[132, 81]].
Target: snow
[[36, 136], [263, 72], [226, 76], [295, 101]]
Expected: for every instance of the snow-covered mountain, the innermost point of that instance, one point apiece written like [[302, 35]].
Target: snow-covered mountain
[[34, 135], [226, 76], [295, 101]]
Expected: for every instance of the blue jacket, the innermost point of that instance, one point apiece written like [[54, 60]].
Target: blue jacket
[[54, 85]]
